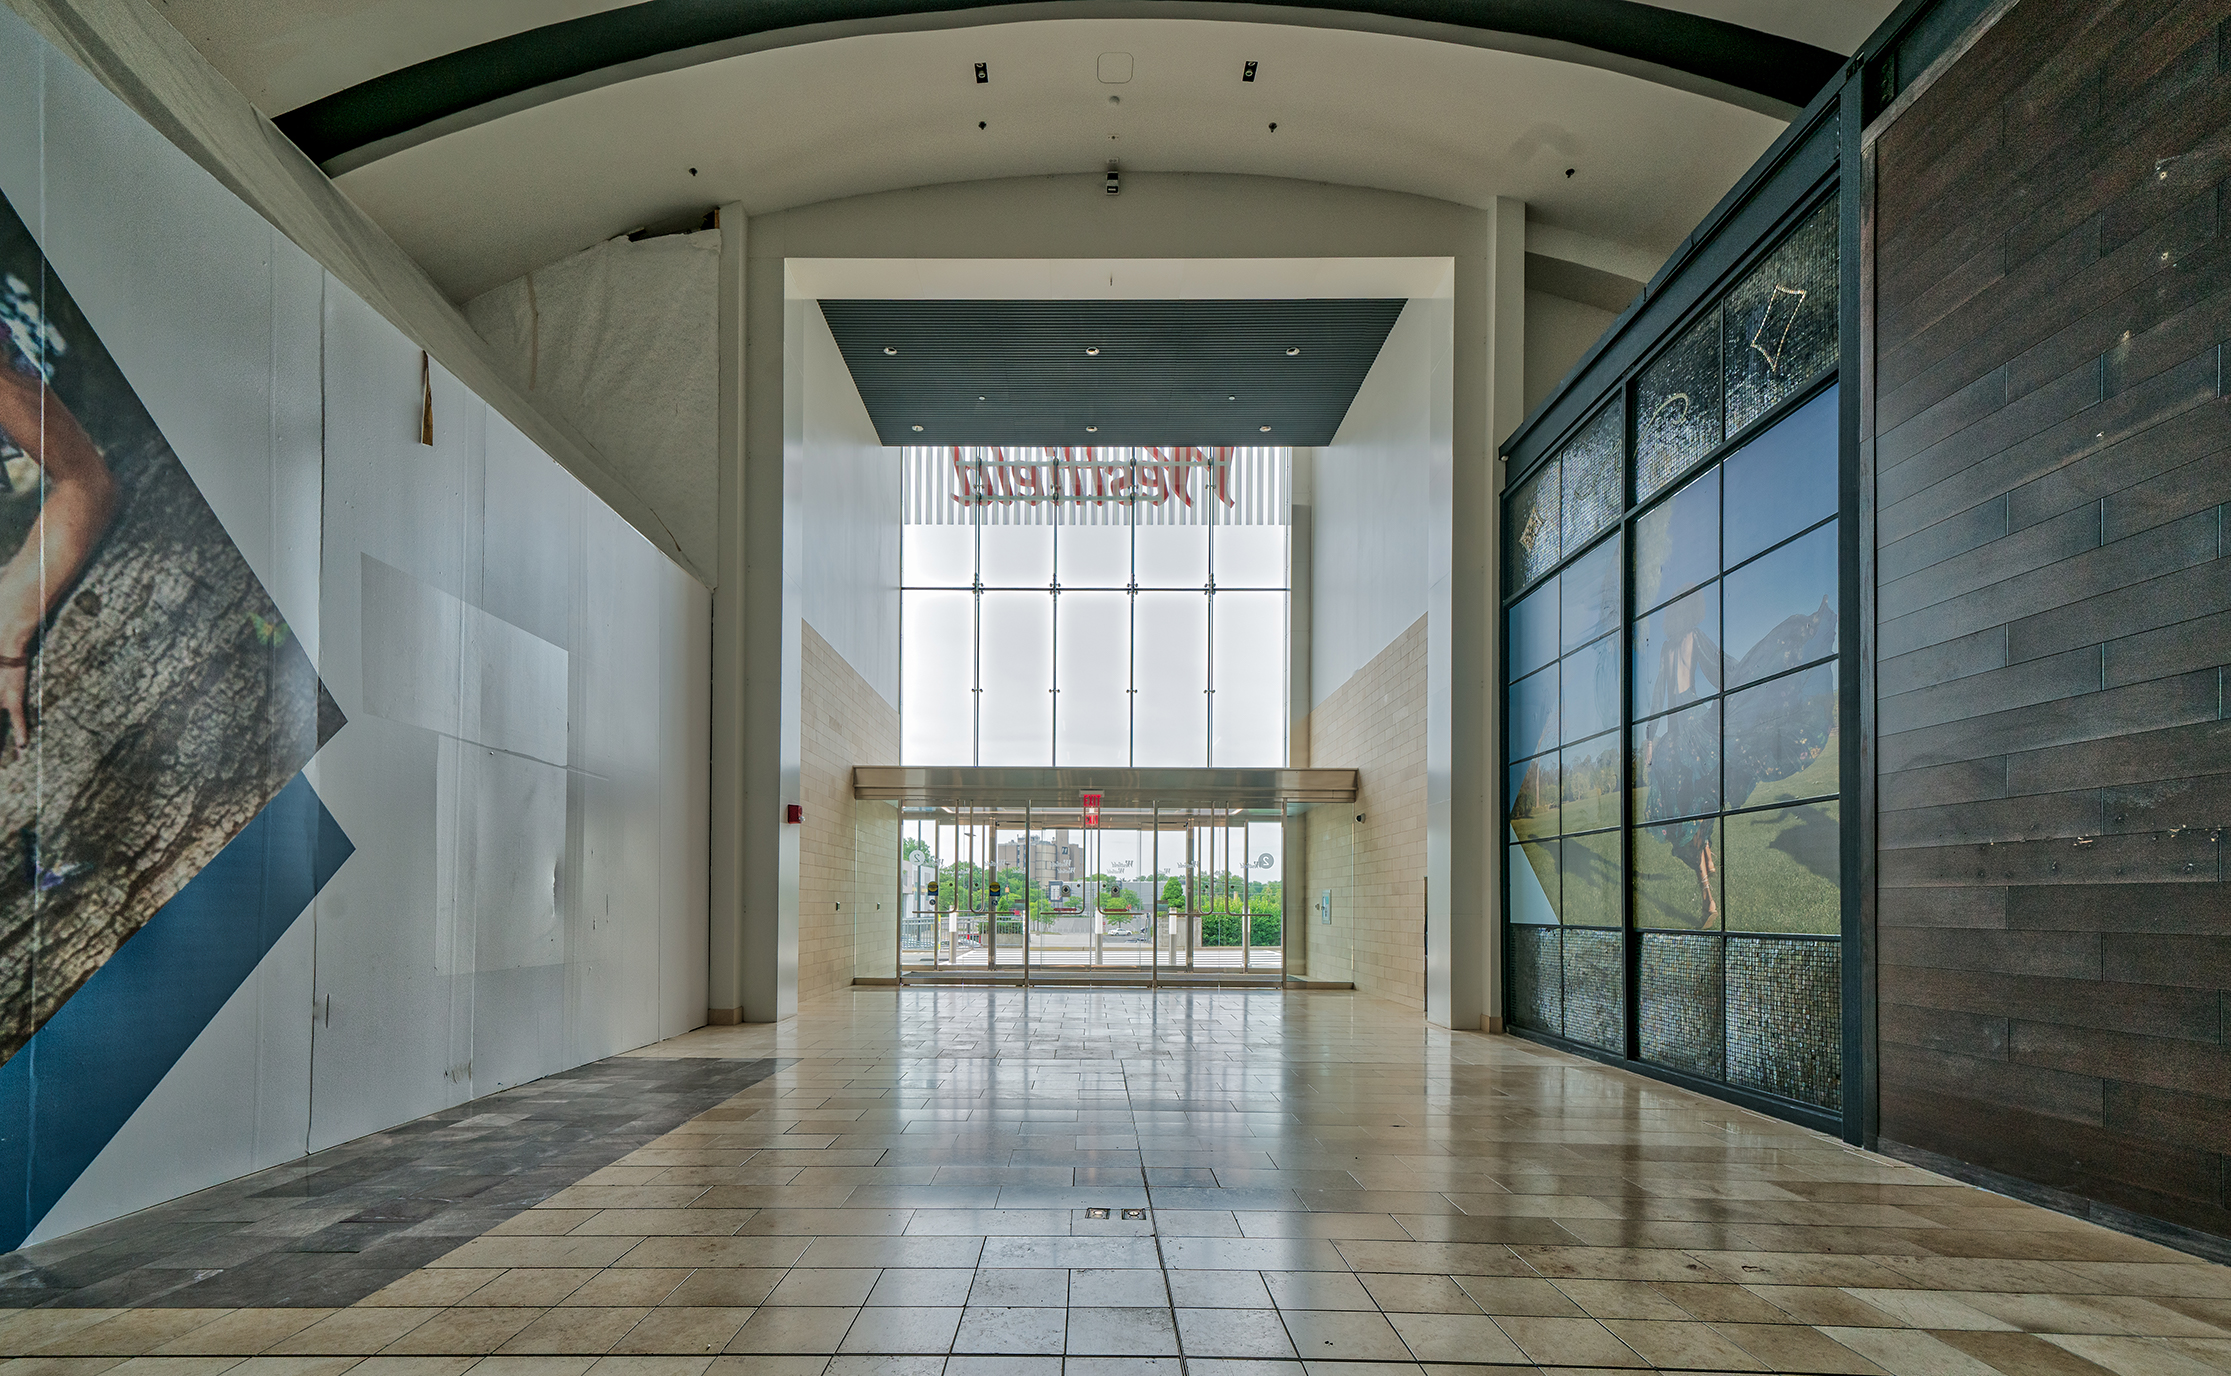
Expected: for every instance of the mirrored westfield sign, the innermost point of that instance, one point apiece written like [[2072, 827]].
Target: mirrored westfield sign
[[1176, 484]]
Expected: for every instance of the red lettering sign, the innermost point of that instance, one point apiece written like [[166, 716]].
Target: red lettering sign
[[1091, 808]]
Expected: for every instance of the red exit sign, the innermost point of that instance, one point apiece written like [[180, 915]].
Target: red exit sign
[[1091, 803]]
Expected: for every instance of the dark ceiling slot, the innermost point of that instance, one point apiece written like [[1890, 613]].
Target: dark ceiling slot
[[983, 74], [1249, 73]]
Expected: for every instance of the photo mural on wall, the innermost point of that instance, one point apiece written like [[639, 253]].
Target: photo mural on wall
[[153, 699]]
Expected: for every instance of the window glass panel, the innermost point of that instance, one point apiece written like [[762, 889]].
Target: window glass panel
[[1677, 407], [1531, 798], [1783, 870], [1593, 492], [1680, 998], [1093, 556], [1591, 880], [1169, 716], [1249, 674], [1781, 322], [1677, 653], [1677, 545], [937, 556], [1781, 608], [1784, 480], [1533, 710], [1591, 689], [1016, 725], [1782, 739], [1535, 537], [1591, 783], [1092, 667], [1250, 556], [937, 681], [1677, 764], [1171, 556], [1533, 871], [1591, 594], [1677, 875], [1534, 630], [1017, 556]]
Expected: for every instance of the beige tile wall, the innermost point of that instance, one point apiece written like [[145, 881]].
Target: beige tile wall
[[1374, 723], [847, 850]]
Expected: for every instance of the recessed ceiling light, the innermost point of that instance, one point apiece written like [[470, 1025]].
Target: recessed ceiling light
[[1293, 353], [1092, 429], [1266, 429], [1231, 398], [918, 429], [979, 398], [889, 350], [1093, 349]]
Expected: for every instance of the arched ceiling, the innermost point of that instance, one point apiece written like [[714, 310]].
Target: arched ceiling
[[493, 137]]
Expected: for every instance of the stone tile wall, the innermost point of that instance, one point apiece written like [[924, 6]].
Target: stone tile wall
[[847, 850], [1374, 723]]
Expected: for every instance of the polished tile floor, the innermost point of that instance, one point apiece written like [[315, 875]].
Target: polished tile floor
[[936, 1181]]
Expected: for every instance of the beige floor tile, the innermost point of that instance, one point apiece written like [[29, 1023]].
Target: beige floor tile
[[1685, 1345], [360, 1331], [530, 1287], [755, 1365], [59, 1366], [415, 1366], [650, 1366], [543, 1222], [1327, 1225], [1257, 1334], [726, 1287], [1127, 1333], [242, 1333], [432, 1288], [176, 1366], [625, 1286], [537, 1365], [24, 1330], [904, 1287], [579, 1329], [1568, 1342], [1622, 1299], [675, 1252], [1343, 1335], [1823, 1306], [893, 1251], [1317, 1290], [1399, 1293], [460, 1332], [902, 1330], [295, 1366], [127, 1333], [2025, 1354], [1519, 1295], [773, 1330], [1218, 1290], [1908, 1352], [1927, 1309], [1720, 1303], [662, 1223], [1796, 1347], [538, 1251], [1455, 1338], [807, 1286], [682, 1332], [2143, 1356]]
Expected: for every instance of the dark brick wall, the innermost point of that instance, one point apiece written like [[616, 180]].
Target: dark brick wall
[[2052, 445]]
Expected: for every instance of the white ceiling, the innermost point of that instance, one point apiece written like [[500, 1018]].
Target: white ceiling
[[798, 125], [286, 53]]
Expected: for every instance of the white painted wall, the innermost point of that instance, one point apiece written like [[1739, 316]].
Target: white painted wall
[[1558, 332], [523, 773], [851, 587], [1369, 552]]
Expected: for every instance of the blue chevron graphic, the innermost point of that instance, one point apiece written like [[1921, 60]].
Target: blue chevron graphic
[[76, 1082]]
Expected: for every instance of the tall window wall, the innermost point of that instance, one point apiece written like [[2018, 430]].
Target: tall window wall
[[1674, 799], [1077, 607]]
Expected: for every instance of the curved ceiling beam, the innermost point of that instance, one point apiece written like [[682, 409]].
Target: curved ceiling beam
[[390, 113]]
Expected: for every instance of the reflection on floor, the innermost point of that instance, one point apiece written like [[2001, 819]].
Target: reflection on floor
[[1327, 1186]]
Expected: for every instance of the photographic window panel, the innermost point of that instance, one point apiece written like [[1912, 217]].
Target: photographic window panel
[[1531, 798], [1534, 629], [1677, 407], [1591, 595], [1092, 668], [1591, 783], [1781, 608], [1676, 769], [937, 680], [1784, 870], [1682, 1003], [1533, 711], [1593, 490], [1169, 716], [1248, 671], [1677, 875], [1677, 653], [1589, 871], [1784, 480], [1677, 542], [1781, 740], [1534, 883], [1781, 324], [1015, 722], [937, 556], [1535, 537], [1591, 689]]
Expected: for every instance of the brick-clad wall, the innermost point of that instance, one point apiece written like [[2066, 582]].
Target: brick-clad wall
[[1374, 723], [848, 851], [2053, 455]]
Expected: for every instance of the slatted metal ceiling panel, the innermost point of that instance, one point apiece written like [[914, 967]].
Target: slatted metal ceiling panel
[[1165, 372]]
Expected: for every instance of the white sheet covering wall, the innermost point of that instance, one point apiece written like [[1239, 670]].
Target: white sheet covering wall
[[622, 339], [525, 678]]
